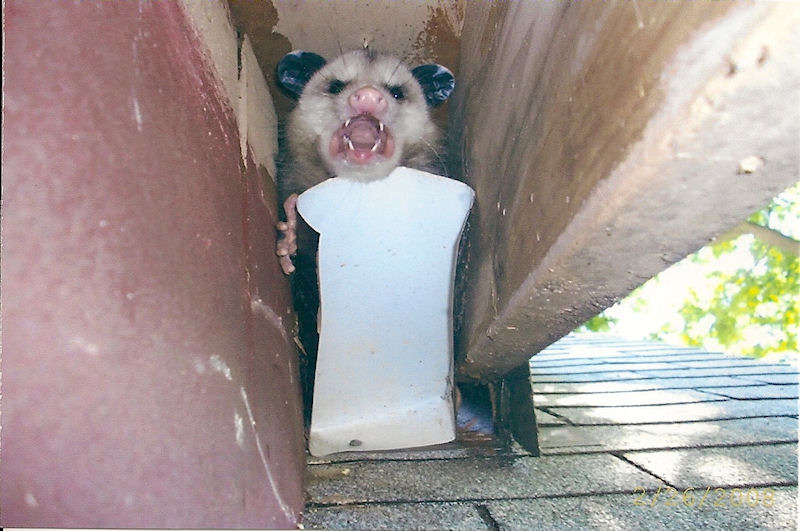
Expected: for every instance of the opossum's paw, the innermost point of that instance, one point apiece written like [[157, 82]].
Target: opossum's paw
[[287, 242]]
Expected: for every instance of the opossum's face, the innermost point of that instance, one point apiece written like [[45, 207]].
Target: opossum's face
[[362, 112]]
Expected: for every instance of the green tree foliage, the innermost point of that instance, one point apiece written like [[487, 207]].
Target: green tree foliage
[[601, 322], [753, 309]]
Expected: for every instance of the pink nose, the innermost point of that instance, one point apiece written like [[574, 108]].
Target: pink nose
[[367, 100]]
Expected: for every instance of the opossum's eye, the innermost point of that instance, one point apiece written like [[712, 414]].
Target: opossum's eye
[[397, 92], [336, 86]]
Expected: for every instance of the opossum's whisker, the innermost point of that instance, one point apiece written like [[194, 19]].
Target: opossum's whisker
[[339, 45], [396, 68], [406, 59], [335, 16], [433, 148]]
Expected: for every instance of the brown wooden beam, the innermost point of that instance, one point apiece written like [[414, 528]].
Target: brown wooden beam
[[605, 142]]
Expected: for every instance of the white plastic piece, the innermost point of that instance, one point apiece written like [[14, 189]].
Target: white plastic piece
[[387, 256]]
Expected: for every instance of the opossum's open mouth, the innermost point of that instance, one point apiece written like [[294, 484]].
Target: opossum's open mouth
[[362, 139]]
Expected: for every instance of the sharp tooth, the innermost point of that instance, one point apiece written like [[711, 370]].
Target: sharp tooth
[[347, 123], [376, 145], [380, 126], [350, 144]]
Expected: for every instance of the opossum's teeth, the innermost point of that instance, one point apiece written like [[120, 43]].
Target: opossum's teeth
[[362, 140]]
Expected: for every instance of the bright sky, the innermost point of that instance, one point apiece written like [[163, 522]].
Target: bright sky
[[666, 293]]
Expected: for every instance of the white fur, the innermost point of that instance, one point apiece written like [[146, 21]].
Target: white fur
[[319, 114]]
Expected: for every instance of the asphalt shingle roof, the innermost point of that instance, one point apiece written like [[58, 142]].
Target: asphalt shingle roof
[[632, 434]]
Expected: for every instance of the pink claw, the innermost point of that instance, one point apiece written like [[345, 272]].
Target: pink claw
[[287, 245]]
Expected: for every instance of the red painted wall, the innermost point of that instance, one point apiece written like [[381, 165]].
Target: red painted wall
[[148, 378]]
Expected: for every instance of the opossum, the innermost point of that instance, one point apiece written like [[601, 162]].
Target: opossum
[[357, 117]]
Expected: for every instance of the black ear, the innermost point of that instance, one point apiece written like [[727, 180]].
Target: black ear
[[296, 68], [437, 82]]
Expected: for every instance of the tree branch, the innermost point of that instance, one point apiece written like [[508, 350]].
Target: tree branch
[[765, 234]]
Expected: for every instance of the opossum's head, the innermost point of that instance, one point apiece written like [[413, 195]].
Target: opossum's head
[[363, 113]]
